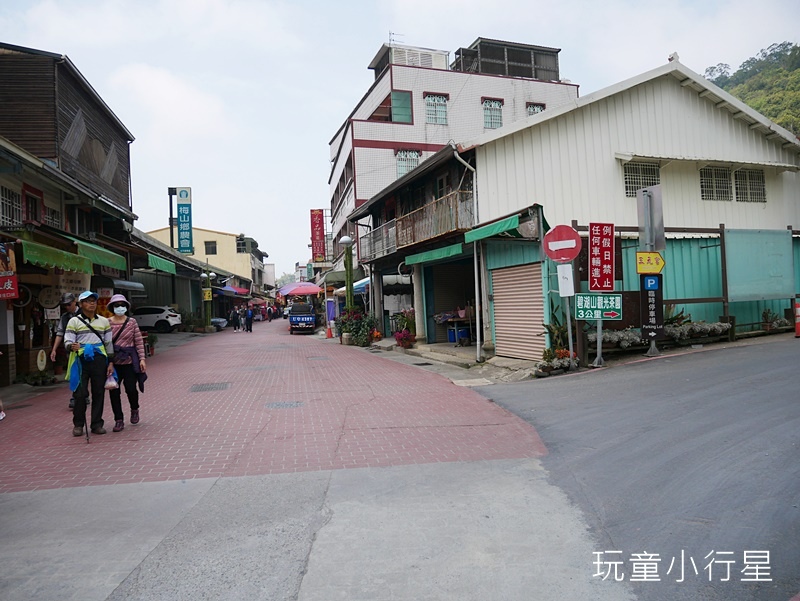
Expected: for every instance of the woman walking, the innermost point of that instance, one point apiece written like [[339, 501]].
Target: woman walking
[[234, 319], [128, 360]]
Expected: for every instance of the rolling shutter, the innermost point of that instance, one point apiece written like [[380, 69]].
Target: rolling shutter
[[518, 312]]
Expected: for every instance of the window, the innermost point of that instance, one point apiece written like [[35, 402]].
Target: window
[[750, 185], [534, 108], [211, 247], [715, 183], [443, 185], [401, 107], [33, 208], [10, 207], [52, 217], [407, 160], [241, 245], [436, 109], [640, 175], [396, 107], [492, 113]]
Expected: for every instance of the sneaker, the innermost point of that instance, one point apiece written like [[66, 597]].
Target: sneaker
[[135, 416], [119, 426], [2, 415], [72, 403], [98, 430], [77, 431]]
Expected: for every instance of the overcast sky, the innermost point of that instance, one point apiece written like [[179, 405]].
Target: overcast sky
[[238, 99]]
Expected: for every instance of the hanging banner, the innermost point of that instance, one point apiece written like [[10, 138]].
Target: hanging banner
[[601, 257], [8, 273], [317, 235], [185, 242]]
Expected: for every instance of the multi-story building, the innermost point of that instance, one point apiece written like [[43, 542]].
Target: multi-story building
[[235, 253], [420, 101]]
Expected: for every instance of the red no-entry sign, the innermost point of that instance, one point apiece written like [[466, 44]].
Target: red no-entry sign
[[562, 244]]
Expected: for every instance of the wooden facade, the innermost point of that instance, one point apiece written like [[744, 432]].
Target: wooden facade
[[50, 111]]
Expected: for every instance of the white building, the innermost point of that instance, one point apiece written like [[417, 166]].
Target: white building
[[729, 182], [420, 101]]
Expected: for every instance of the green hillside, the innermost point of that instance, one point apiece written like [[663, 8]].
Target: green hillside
[[768, 82]]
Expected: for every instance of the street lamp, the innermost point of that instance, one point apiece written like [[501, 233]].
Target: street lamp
[[208, 275], [347, 242]]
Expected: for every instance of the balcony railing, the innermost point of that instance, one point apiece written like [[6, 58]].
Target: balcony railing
[[450, 213], [379, 242]]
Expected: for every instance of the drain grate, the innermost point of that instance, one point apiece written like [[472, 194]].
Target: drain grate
[[210, 387], [285, 405], [423, 363]]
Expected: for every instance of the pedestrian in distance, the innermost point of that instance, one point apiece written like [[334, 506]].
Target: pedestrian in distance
[[129, 360], [70, 306], [234, 319], [248, 319], [91, 351], [269, 313]]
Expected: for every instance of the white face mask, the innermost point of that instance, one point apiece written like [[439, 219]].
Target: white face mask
[[120, 310]]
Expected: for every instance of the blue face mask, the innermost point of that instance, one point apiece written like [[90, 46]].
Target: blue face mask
[[120, 310]]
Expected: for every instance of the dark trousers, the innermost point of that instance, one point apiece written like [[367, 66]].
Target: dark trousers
[[127, 380], [248, 324], [93, 378]]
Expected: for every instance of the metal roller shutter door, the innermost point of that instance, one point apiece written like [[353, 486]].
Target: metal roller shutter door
[[518, 312]]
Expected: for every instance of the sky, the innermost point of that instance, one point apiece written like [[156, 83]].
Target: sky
[[239, 99]]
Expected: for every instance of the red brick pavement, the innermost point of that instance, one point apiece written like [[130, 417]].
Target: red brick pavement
[[293, 403]]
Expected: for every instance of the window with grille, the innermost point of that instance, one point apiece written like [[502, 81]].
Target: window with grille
[[241, 245], [52, 217], [436, 109], [715, 183], [640, 175], [534, 108], [406, 161], [492, 114], [750, 186], [10, 207], [211, 247]]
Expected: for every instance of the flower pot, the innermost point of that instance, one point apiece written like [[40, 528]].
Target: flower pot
[[347, 338]]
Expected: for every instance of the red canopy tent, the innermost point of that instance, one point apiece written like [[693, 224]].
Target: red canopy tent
[[300, 289]]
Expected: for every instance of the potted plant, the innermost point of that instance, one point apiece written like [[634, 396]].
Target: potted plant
[[152, 339], [405, 339], [554, 362], [768, 318]]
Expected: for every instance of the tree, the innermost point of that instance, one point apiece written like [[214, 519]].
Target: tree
[[768, 82], [286, 278]]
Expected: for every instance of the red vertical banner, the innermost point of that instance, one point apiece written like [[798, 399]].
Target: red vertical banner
[[601, 257], [317, 235], [8, 275]]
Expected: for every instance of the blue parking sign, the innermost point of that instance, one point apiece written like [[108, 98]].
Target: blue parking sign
[[651, 282]]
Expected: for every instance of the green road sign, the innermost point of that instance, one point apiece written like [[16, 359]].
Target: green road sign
[[591, 306]]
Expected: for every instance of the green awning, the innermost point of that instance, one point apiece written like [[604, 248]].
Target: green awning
[[99, 255], [160, 264], [436, 254], [46, 256], [498, 227]]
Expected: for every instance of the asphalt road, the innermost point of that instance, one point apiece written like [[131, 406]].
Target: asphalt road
[[692, 459]]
